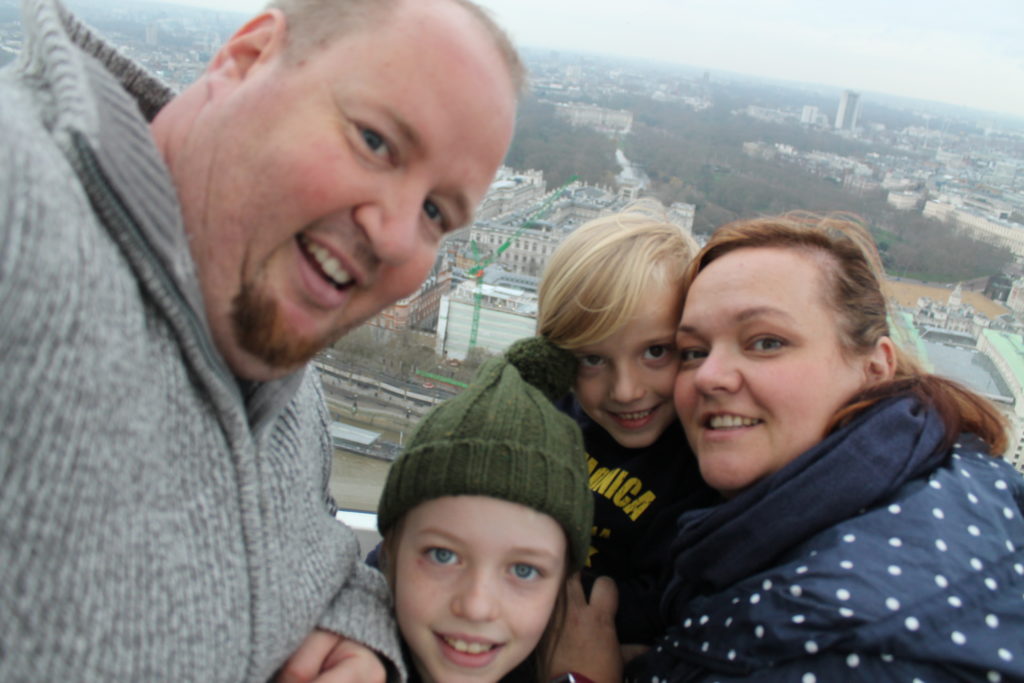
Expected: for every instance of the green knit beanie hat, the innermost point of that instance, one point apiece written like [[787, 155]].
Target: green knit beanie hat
[[502, 437]]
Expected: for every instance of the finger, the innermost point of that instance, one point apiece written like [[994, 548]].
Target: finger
[[604, 596], [632, 651], [306, 662], [351, 662], [574, 590]]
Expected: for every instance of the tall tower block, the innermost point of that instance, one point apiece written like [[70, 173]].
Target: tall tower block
[[849, 110]]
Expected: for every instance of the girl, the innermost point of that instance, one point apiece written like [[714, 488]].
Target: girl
[[484, 517]]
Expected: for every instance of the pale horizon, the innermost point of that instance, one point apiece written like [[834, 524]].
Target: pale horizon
[[966, 55]]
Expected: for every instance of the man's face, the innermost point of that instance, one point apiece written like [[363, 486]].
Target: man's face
[[315, 193]]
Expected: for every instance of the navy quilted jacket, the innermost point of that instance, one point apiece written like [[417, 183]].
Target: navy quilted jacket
[[926, 584]]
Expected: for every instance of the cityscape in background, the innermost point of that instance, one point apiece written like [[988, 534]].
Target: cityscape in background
[[902, 162]]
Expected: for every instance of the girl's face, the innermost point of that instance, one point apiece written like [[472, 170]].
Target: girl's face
[[475, 582], [763, 371], [624, 382]]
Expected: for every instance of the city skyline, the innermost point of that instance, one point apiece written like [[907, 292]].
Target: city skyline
[[966, 55]]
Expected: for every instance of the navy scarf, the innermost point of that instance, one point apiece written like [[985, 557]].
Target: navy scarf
[[889, 444]]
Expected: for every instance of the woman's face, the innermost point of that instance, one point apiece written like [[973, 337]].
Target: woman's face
[[475, 583], [762, 370]]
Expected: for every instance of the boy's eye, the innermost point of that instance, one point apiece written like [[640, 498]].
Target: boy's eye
[[441, 555], [767, 344], [591, 361], [375, 141], [525, 571], [656, 352]]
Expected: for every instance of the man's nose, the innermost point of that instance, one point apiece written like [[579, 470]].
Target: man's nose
[[391, 225]]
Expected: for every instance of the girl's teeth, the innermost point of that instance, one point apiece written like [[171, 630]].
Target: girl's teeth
[[471, 648]]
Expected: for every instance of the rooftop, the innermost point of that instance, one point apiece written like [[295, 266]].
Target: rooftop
[[907, 294]]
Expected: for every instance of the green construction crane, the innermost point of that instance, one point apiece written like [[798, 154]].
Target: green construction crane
[[477, 271]]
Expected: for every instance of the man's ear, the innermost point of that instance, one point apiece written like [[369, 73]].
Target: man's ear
[[258, 41], [880, 364]]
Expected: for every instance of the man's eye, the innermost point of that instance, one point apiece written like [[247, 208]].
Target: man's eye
[[435, 214], [525, 571], [374, 141], [441, 555]]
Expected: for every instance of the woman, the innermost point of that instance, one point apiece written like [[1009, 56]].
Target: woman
[[866, 530]]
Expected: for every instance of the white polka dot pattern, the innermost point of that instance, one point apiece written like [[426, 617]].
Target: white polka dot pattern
[[932, 571]]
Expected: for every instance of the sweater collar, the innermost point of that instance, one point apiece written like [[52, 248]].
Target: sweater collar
[[96, 98]]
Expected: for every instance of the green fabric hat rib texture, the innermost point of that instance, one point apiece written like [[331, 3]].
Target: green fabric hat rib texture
[[502, 437]]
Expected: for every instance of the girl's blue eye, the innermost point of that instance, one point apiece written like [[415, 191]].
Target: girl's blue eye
[[374, 140], [591, 361], [441, 555], [525, 571]]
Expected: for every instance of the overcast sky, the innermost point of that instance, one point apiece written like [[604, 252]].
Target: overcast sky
[[962, 52]]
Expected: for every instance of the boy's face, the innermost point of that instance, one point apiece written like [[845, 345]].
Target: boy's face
[[625, 381], [475, 582]]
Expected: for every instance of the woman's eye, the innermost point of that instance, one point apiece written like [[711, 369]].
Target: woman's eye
[[591, 361], [525, 571], [375, 141], [441, 555], [692, 354], [767, 344]]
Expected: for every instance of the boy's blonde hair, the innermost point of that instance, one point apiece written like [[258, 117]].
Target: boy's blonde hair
[[596, 279]]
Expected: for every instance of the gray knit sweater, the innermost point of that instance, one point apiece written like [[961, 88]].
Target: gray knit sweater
[[158, 520]]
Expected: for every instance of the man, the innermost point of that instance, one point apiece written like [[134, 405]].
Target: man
[[167, 268]]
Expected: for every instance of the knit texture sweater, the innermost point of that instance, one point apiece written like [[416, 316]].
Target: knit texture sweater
[[159, 520]]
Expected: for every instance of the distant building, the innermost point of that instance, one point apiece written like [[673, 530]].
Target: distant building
[[598, 118], [954, 315], [990, 228], [809, 115], [503, 315], [518, 250], [1015, 300], [512, 191], [682, 214], [849, 111], [494, 274], [1006, 351], [418, 310], [904, 201]]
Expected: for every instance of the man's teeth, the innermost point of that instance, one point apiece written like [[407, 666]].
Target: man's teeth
[[730, 421], [328, 263], [471, 648]]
